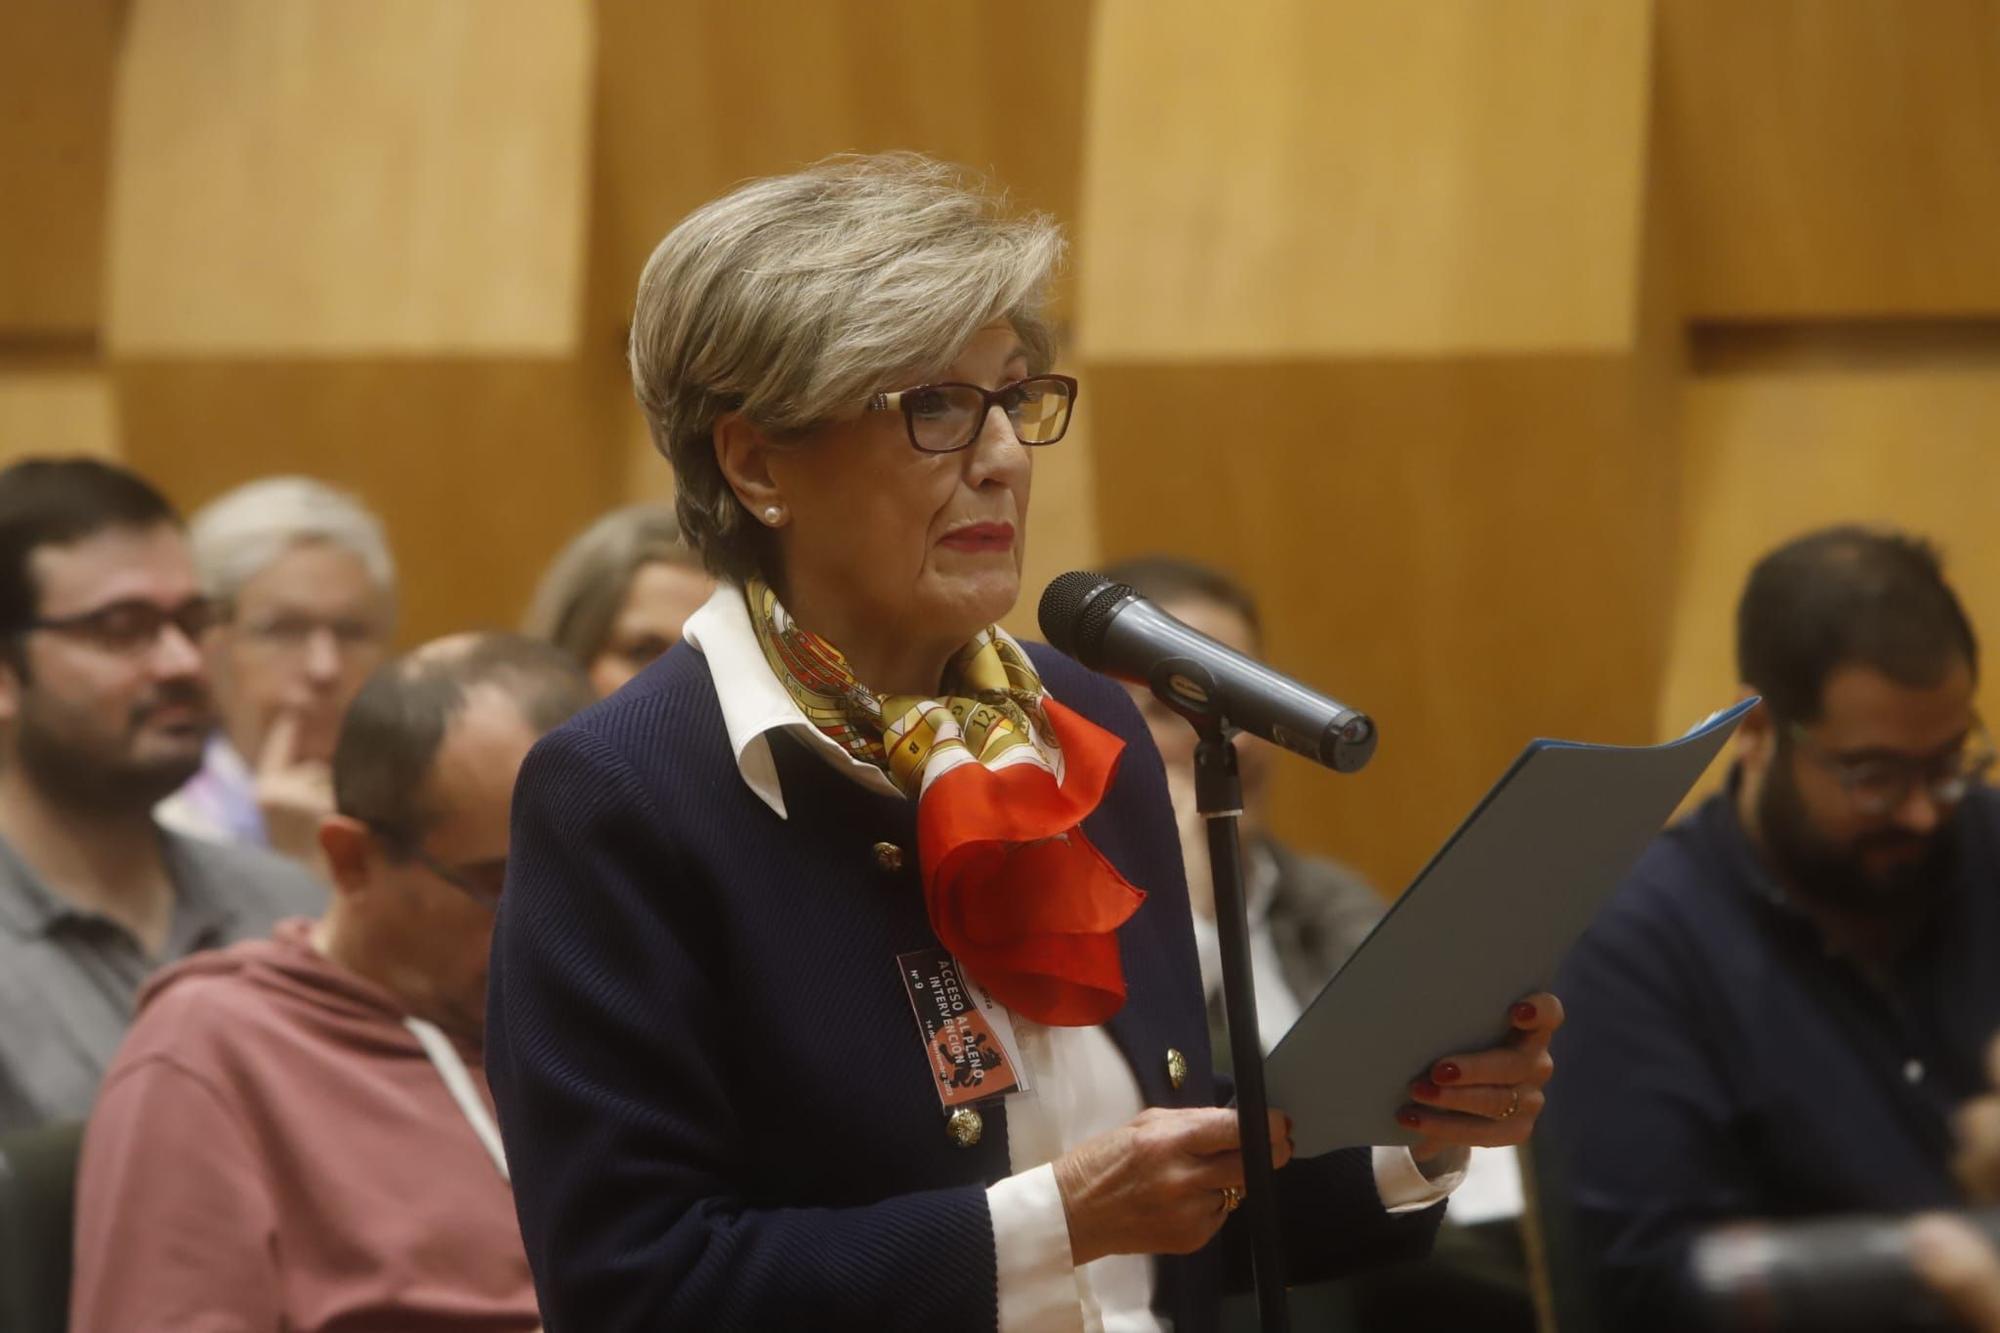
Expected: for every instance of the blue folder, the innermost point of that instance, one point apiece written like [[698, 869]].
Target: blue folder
[[1486, 922]]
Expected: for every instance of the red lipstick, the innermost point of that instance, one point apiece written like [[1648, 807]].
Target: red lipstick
[[980, 537]]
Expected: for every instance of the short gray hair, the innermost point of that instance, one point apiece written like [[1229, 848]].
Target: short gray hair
[[240, 534], [578, 601], [795, 298]]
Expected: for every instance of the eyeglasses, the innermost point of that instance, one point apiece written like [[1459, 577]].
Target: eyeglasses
[[288, 634], [481, 881], [944, 418], [1879, 784], [134, 625]]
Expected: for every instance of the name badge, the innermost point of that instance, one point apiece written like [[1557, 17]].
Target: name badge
[[968, 1037]]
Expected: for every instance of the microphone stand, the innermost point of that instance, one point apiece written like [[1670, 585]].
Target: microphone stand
[[1219, 798]]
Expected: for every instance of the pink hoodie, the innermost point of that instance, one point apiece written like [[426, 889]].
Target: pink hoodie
[[272, 1149]]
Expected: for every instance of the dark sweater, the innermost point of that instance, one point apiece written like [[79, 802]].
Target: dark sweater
[[1718, 1063], [715, 1105]]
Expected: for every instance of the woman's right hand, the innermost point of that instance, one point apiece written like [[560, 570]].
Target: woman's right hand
[[1155, 1184]]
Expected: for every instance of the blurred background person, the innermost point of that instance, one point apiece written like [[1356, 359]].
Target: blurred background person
[[615, 597], [104, 709], [1782, 1008], [297, 1134], [305, 590], [1307, 914]]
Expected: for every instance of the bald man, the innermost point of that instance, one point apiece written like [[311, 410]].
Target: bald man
[[296, 1132]]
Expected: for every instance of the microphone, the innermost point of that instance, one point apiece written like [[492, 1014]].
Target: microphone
[[1110, 628]]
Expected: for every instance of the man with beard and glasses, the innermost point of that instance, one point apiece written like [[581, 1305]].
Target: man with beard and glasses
[[104, 709], [1778, 1014]]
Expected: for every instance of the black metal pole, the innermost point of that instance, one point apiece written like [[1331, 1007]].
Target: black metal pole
[[1219, 798]]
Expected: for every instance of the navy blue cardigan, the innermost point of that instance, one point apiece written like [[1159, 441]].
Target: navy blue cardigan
[[715, 1105], [1719, 1064]]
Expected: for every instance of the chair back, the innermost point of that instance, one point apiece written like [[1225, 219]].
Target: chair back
[[37, 1219], [1561, 1286]]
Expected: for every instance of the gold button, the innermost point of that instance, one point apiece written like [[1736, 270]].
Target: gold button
[[966, 1126], [889, 856], [1176, 1067]]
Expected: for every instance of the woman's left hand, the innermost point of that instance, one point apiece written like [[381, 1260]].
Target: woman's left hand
[[1490, 1098]]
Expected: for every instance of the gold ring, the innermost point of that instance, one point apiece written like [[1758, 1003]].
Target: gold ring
[[1512, 1106], [1232, 1199]]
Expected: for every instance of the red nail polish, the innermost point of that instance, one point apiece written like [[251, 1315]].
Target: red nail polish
[[1446, 1072], [1409, 1119], [1525, 1013], [1423, 1087]]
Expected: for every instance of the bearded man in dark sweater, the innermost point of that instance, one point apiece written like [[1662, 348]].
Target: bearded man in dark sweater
[[1779, 1013]]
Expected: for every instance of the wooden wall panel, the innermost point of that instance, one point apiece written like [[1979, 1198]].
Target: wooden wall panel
[[1469, 550], [697, 96], [1835, 157], [363, 177], [55, 132], [1369, 317], [56, 411], [480, 468], [1362, 177]]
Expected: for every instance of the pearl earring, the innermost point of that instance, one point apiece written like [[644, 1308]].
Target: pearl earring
[[772, 513]]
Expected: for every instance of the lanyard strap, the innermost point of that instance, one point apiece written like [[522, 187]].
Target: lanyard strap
[[458, 1081]]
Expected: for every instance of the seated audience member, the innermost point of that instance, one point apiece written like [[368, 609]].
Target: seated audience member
[[302, 576], [104, 705], [616, 596], [1779, 1012], [1307, 914], [297, 1133]]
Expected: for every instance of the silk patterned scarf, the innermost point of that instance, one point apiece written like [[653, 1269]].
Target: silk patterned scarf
[[1003, 776]]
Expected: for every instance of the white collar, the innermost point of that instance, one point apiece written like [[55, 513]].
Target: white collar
[[755, 702]]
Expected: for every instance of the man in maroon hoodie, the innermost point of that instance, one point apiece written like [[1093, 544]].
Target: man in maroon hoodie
[[296, 1133]]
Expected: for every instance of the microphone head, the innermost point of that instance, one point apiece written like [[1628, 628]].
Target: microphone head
[[1075, 609]]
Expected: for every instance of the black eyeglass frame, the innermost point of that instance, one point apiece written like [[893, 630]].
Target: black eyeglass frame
[[905, 399], [403, 847], [1971, 760], [194, 618]]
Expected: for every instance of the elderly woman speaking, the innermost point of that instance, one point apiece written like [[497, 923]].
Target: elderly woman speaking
[[844, 976]]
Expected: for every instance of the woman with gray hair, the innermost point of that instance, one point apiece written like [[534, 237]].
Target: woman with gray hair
[[302, 574], [616, 597], [844, 976]]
